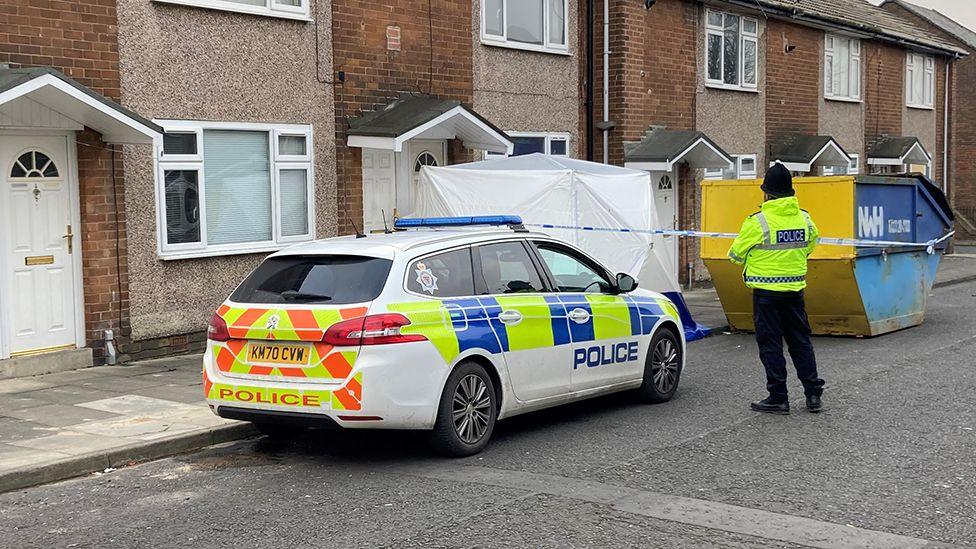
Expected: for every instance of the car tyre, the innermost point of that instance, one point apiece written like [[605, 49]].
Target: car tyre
[[662, 368], [467, 412], [278, 431]]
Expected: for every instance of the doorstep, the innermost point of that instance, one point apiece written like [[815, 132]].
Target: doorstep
[[46, 363]]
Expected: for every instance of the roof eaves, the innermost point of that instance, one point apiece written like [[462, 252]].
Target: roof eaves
[[813, 19]]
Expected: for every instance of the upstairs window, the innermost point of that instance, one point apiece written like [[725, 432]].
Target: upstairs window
[[731, 50], [288, 9], [842, 68], [920, 81], [538, 25]]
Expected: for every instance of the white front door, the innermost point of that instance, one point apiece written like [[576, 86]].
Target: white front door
[[379, 189], [419, 153], [37, 243], [666, 203]]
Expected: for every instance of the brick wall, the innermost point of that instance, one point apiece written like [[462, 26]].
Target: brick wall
[[80, 39], [884, 91], [669, 80], [77, 37], [792, 79], [963, 140], [375, 75]]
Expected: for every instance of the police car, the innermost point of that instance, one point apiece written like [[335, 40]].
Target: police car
[[441, 327]]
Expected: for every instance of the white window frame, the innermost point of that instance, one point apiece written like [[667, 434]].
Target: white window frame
[[920, 66], [736, 171], [853, 68], [164, 163], [852, 169], [271, 8], [550, 137], [501, 40], [713, 30]]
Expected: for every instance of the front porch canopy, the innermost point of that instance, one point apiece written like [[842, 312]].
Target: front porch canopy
[[802, 153], [44, 98], [662, 149], [425, 117], [896, 151]]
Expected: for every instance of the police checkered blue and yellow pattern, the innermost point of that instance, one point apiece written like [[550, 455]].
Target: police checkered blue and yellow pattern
[[455, 326]]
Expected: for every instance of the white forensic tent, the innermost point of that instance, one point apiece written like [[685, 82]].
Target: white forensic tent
[[559, 191]]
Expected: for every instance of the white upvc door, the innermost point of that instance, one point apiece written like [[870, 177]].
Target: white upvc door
[[417, 154], [39, 245], [379, 189], [666, 202]]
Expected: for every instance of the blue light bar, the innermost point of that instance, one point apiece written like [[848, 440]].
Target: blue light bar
[[492, 220]]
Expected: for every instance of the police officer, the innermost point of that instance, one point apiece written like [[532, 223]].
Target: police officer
[[773, 246]]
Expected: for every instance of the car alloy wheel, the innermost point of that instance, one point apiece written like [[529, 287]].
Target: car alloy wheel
[[664, 366], [471, 409]]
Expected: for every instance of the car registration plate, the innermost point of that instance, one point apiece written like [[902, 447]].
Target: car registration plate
[[276, 353]]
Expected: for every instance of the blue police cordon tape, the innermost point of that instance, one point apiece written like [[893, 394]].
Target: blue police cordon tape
[[929, 245]]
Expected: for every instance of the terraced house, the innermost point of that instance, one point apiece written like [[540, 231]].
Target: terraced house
[[720, 89], [154, 150]]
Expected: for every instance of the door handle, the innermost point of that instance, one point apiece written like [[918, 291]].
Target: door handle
[[71, 239], [510, 316], [579, 316]]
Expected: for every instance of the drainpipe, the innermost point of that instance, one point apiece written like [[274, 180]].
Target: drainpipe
[[111, 356], [606, 81], [945, 136], [589, 80]]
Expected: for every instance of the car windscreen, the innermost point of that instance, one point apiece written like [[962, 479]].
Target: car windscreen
[[320, 279]]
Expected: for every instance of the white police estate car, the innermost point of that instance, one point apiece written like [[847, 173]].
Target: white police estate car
[[442, 329]]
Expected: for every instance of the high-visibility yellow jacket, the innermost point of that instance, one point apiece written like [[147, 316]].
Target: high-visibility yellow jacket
[[773, 245]]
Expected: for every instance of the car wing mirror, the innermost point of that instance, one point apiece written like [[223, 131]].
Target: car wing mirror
[[626, 283]]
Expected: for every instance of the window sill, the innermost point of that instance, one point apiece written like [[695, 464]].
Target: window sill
[[843, 99], [521, 46], [921, 107], [251, 10], [728, 87], [197, 254]]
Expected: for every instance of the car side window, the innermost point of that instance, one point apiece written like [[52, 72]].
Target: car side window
[[571, 273], [508, 269], [448, 274]]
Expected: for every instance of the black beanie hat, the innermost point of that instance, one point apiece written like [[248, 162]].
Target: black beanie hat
[[778, 181]]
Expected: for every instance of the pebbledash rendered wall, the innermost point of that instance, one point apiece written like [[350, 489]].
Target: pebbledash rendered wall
[[199, 64], [526, 91]]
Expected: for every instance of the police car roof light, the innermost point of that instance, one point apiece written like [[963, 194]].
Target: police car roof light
[[512, 221]]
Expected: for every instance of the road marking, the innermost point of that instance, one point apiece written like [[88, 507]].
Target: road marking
[[696, 512]]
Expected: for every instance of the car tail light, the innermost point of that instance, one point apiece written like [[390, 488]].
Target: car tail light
[[217, 329], [381, 329]]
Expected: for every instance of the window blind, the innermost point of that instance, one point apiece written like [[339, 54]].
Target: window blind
[[237, 176]]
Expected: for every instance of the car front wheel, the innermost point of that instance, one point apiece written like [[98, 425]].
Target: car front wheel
[[467, 412], [662, 368]]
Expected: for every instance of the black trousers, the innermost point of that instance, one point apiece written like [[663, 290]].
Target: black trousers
[[779, 316]]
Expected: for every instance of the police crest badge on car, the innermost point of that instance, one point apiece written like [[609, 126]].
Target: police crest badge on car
[[426, 279]]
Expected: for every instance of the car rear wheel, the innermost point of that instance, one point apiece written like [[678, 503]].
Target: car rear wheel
[[467, 412], [662, 368], [279, 431]]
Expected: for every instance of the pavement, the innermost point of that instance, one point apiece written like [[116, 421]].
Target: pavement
[[890, 460], [56, 426]]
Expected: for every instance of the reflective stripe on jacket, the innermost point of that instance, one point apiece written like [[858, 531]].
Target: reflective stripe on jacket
[[773, 244]]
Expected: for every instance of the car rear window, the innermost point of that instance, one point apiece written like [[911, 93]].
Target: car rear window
[[330, 279]]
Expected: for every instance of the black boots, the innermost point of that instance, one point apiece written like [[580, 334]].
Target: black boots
[[772, 405], [814, 404]]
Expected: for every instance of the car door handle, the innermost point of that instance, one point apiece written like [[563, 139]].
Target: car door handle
[[579, 316], [510, 316]]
